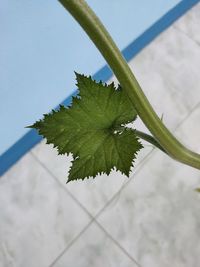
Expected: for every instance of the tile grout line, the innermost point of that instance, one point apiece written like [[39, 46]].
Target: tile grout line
[[93, 218], [70, 244], [118, 244]]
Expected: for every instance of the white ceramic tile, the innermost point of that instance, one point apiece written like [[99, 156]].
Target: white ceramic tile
[[92, 193], [94, 248], [156, 217], [37, 217], [190, 23]]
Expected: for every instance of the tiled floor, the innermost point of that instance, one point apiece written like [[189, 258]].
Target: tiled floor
[[151, 219]]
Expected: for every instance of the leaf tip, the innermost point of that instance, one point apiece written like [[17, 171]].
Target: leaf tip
[[35, 125], [30, 126]]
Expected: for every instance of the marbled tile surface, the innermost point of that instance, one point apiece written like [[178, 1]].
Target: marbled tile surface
[[152, 217], [94, 248], [37, 217], [158, 216]]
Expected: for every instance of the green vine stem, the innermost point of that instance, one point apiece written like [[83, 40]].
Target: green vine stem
[[103, 41]]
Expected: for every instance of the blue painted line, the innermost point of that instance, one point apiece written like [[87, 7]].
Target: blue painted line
[[29, 140]]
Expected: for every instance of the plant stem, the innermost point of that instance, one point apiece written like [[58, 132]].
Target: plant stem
[[103, 41], [149, 139]]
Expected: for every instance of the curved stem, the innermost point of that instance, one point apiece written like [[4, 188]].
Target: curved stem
[[149, 139], [103, 41]]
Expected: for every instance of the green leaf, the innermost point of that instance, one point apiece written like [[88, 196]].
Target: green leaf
[[93, 130]]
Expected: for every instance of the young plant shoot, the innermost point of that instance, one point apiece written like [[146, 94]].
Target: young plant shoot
[[94, 128]]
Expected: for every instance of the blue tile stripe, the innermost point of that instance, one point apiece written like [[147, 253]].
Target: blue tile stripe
[[29, 140]]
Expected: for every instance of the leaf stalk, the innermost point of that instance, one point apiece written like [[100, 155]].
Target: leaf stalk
[[150, 139]]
